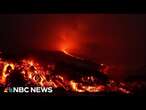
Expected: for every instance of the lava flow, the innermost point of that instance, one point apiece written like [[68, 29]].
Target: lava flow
[[34, 73], [71, 54]]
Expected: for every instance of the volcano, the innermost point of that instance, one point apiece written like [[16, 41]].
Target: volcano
[[57, 69]]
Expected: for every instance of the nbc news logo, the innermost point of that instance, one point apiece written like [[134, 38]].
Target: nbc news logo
[[29, 90]]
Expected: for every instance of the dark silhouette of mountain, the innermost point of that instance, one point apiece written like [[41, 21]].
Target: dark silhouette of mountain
[[139, 74]]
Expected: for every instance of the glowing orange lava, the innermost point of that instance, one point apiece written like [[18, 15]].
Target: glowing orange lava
[[34, 73], [67, 53], [5, 73]]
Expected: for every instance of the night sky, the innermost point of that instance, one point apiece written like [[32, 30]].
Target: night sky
[[114, 39]]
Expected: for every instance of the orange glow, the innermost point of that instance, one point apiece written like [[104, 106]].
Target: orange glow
[[67, 53], [4, 71], [5, 90], [86, 88], [65, 48], [74, 87], [71, 54], [69, 39], [94, 88]]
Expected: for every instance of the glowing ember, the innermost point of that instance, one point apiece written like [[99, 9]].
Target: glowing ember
[[64, 50], [94, 88], [74, 87], [5, 71]]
